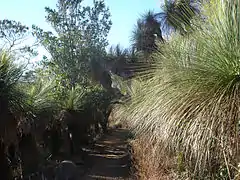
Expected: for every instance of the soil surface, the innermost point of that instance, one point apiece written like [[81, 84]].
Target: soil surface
[[109, 157]]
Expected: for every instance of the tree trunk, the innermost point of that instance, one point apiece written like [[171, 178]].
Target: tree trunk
[[6, 172], [56, 141], [29, 154], [7, 136]]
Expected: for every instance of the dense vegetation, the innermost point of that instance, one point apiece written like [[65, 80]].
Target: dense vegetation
[[176, 88], [188, 108], [53, 108]]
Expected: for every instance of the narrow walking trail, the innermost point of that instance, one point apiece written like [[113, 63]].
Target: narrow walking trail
[[108, 158]]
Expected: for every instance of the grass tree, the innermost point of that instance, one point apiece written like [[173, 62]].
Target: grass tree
[[11, 102], [11, 97], [146, 32], [42, 108], [191, 105]]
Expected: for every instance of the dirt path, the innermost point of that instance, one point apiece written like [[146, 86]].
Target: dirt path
[[108, 158]]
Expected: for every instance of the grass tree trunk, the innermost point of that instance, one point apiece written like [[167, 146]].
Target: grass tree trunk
[[7, 132], [56, 141], [6, 172], [29, 154]]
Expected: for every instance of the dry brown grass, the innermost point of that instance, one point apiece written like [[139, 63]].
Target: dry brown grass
[[149, 163]]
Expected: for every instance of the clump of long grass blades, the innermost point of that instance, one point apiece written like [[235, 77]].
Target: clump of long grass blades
[[40, 99], [192, 102], [10, 94], [73, 99]]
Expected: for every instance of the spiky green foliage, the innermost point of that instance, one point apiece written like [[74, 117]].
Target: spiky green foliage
[[177, 15], [73, 98], [192, 103], [40, 98], [11, 96]]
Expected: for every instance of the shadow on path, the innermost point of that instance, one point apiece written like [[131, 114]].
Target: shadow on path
[[108, 158]]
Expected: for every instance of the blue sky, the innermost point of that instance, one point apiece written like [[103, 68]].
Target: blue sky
[[124, 14]]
